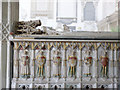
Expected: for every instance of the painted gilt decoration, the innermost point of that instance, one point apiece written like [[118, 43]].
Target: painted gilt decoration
[[40, 61], [72, 61], [104, 61], [68, 63]]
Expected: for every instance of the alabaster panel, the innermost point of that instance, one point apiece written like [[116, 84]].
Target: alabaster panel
[[65, 64]]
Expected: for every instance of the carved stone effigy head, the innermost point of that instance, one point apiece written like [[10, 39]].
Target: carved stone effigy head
[[41, 52], [57, 52]]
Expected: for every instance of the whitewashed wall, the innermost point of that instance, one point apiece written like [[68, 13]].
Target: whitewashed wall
[[106, 8], [25, 6]]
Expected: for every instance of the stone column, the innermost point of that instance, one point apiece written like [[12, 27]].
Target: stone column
[[16, 61], [48, 63], [3, 45], [64, 66], [32, 62], [12, 15], [8, 64]]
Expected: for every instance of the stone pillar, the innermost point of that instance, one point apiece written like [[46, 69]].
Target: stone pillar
[[64, 66], [48, 63], [16, 61], [8, 46], [32, 62], [8, 9], [14, 14], [3, 62], [3, 46]]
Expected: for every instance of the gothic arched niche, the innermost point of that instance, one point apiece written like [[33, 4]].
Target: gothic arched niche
[[89, 12]]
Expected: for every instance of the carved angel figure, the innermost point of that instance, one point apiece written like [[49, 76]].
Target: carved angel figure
[[56, 64], [41, 59], [25, 65], [72, 60]]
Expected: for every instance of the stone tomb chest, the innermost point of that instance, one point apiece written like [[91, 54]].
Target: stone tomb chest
[[76, 60]]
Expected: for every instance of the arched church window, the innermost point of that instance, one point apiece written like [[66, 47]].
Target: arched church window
[[89, 12], [36, 9], [66, 12]]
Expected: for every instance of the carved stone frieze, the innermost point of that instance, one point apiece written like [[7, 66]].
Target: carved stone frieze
[[72, 64]]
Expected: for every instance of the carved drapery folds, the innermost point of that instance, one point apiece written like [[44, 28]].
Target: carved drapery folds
[[65, 59]]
